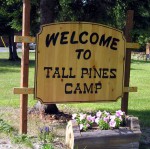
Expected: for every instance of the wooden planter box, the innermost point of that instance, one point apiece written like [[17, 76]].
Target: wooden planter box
[[122, 138]]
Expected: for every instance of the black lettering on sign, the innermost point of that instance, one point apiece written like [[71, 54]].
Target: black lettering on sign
[[81, 37], [97, 72], [87, 54], [78, 89], [56, 73], [47, 71], [85, 88], [51, 38], [63, 39], [105, 73], [68, 87], [113, 73], [71, 75], [114, 44], [98, 86], [84, 71], [72, 39], [79, 53], [94, 38], [88, 90], [104, 41], [63, 73]]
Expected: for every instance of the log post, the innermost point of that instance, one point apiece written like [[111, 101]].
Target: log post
[[24, 67], [128, 29]]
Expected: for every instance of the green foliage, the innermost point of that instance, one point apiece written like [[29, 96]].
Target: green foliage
[[47, 146], [11, 16], [22, 139], [141, 29], [66, 14], [86, 10], [107, 12], [46, 135], [103, 125], [9, 130], [12, 10], [118, 15], [5, 128]]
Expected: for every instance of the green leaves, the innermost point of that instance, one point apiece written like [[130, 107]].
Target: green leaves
[[5, 128]]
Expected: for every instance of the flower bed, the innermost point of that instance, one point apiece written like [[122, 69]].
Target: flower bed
[[109, 133], [104, 120]]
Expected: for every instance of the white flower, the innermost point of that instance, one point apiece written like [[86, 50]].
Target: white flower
[[112, 117], [74, 116], [81, 126], [97, 120], [98, 114], [112, 124], [82, 116]]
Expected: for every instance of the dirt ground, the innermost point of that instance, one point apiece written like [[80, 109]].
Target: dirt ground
[[57, 123]]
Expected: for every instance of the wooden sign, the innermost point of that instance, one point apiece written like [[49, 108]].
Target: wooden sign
[[79, 62]]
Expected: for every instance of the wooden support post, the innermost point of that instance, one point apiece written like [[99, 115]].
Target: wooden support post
[[128, 28], [24, 67]]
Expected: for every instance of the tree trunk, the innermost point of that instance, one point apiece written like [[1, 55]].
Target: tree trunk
[[12, 49], [15, 55], [49, 9], [48, 14]]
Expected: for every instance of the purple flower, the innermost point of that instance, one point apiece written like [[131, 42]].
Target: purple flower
[[98, 114], [87, 125], [90, 118], [46, 129], [106, 113], [106, 119], [119, 113], [112, 124]]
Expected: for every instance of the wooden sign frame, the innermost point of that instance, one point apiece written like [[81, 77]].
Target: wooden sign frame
[[63, 46], [24, 90]]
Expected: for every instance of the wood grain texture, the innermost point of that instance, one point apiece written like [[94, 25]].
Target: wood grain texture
[[24, 39], [132, 46], [23, 90], [24, 67], [128, 29], [57, 59]]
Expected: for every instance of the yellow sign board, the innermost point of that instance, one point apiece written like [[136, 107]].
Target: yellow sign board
[[79, 62]]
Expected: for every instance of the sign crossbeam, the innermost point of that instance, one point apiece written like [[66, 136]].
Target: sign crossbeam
[[25, 39], [24, 90], [30, 39]]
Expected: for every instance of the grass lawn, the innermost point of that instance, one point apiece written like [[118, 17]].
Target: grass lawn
[[10, 78], [139, 103]]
